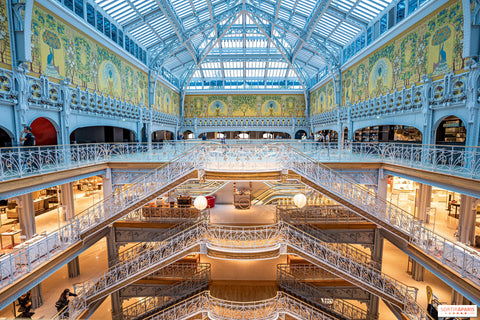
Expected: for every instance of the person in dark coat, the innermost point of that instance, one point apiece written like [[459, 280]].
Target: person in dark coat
[[25, 305], [63, 300], [29, 139]]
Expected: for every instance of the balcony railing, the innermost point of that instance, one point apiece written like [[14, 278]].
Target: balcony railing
[[20, 162]]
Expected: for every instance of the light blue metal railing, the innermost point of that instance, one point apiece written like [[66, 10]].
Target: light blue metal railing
[[20, 162]]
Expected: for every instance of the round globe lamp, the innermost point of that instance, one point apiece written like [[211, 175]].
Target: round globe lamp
[[300, 200], [200, 202]]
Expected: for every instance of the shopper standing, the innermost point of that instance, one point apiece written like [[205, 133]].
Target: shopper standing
[[29, 139]]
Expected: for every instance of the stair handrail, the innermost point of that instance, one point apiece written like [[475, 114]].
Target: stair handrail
[[176, 244], [256, 310], [128, 194], [309, 271], [371, 277], [247, 237], [332, 242], [339, 306], [132, 251], [462, 259], [33, 253], [196, 281], [310, 213]]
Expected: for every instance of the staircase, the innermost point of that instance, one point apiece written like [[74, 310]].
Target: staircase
[[133, 251], [131, 270], [338, 260], [277, 190], [360, 274], [327, 240], [322, 214], [402, 228], [319, 298], [195, 188], [25, 260], [197, 281]]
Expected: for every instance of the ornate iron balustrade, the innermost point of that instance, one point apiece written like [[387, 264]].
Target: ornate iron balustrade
[[240, 238], [463, 259], [318, 214], [179, 271], [306, 272], [121, 272], [165, 215], [282, 303], [39, 250], [133, 251], [371, 277], [197, 280], [251, 157], [279, 157], [241, 122], [33, 253], [29, 161], [233, 239], [318, 298], [328, 240], [17, 162]]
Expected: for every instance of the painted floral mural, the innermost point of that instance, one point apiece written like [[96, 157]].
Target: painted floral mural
[[240, 105], [432, 47], [5, 58], [60, 51], [166, 100], [323, 99]]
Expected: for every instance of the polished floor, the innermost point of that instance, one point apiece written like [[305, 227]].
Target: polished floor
[[241, 274]]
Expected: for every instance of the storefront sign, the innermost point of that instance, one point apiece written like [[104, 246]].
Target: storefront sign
[[466, 311]]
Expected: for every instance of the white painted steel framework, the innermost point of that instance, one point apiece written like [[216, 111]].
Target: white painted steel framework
[[272, 44]]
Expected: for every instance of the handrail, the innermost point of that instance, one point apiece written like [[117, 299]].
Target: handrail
[[249, 238], [268, 309], [196, 281], [313, 294], [38, 250], [319, 214], [18, 162], [331, 242], [462, 259], [139, 247]]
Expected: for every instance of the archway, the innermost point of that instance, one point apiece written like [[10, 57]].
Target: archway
[[161, 135], [44, 132], [299, 134], [97, 134], [345, 134], [452, 131], [188, 134], [5, 138]]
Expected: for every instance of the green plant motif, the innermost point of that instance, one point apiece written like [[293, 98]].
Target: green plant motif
[[4, 37]]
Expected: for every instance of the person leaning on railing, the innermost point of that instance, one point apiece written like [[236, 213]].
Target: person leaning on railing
[[63, 300]]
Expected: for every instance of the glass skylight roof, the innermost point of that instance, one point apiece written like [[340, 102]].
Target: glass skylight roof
[[262, 42]]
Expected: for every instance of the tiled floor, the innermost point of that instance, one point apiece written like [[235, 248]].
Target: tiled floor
[[94, 260]]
